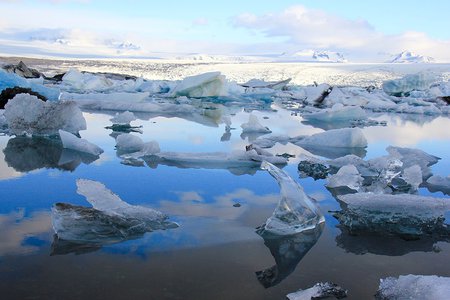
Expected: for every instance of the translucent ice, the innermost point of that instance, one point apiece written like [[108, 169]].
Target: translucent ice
[[109, 220], [321, 290], [337, 113], [421, 287], [347, 176], [253, 125], [295, 211], [204, 85], [123, 118], [73, 142], [403, 214], [413, 176], [27, 114]]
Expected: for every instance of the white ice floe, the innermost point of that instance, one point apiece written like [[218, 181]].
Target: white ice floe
[[337, 113], [320, 290], [316, 94], [401, 214], [295, 211], [204, 85], [347, 176], [26, 114], [253, 126], [109, 220], [408, 83], [345, 138], [429, 287], [73, 142], [124, 118]]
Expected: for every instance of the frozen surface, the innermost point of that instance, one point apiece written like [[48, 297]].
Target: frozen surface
[[319, 291], [73, 142], [295, 212], [402, 214], [204, 85], [109, 220], [26, 114], [8, 80], [422, 287]]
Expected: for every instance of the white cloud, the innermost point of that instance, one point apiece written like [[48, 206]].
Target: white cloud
[[309, 28]]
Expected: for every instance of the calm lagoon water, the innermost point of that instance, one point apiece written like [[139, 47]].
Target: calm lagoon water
[[215, 253]]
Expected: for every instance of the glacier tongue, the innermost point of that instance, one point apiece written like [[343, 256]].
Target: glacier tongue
[[295, 211], [421, 287]]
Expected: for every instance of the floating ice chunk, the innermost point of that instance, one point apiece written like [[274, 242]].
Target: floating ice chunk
[[271, 140], [421, 287], [27, 114], [295, 211], [347, 176], [438, 183], [71, 141], [204, 85], [110, 220], [337, 113], [310, 166], [123, 118], [129, 143], [340, 138], [253, 125], [402, 86], [276, 85], [402, 214], [75, 80], [316, 94], [411, 157], [319, 291], [413, 176], [287, 251]]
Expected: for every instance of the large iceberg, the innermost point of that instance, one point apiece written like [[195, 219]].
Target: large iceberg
[[8, 80], [421, 287], [204, 85], [320, 290], [26, 114], [295, 212], [109, 220], [405, 215], [73, 142]]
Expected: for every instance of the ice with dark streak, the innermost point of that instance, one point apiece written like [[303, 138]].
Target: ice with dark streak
[[295, 212], [109, 220]]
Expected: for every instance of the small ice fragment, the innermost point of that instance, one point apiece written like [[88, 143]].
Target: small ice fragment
[[318, 291], [345, 138], [402, 214], [439, 183], [347, 176], [71, 141], [295, 211], [253, 125], [430, 287], [123, 118], [129, 143], [204, 85], [27, 114]]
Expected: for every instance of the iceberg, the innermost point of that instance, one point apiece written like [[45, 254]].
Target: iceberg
[[109, 220], [253, 126], [340, 138], [318, 291], [26, 114], [407, 84], [338, 113], [287, 251], [422, 287], [295, 211], [438, 183], [276, 85], [124, 118], [71, 141], [403, 215], [134, 146], [411, 157], [209, 84], [315, 95], [347, 176]]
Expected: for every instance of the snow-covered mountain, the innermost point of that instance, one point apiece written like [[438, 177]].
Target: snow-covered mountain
[[313, 56], [411, 57]]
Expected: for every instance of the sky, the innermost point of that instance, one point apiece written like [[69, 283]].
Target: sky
[[362, 30]]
